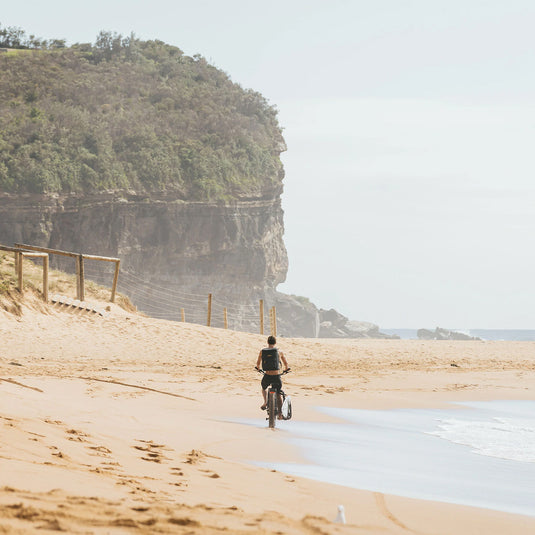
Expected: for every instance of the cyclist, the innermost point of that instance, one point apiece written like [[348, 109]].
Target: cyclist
[[270, 358]]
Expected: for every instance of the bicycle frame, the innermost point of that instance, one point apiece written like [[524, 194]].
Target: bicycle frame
[[273, 400]]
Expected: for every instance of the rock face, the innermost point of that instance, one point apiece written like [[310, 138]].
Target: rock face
[[443, 334], [173, 253], [296, 316], [335, 325], [201, 153], [233, 250]]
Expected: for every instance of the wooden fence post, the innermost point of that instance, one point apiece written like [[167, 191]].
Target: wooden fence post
[[77, 266], [19, 270], [183, 314], [209, 318], [115, 279], [275, 322], [45, 278], [261, 316], [271, 321], [225, 320], [79, 262], [80, 294]]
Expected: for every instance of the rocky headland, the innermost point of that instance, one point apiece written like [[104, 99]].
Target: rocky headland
[[137, 151]]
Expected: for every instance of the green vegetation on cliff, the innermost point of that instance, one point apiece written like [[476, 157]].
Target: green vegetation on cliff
[[129, 114]]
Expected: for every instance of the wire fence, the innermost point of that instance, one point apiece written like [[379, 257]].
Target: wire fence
[[164, 302], [173, 303]]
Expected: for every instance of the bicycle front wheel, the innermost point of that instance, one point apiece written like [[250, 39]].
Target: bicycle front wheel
[[272, 407]]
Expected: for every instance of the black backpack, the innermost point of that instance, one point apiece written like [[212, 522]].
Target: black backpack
[[270, 359]]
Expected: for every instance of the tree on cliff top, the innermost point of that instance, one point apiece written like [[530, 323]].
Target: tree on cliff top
[[129, 114]]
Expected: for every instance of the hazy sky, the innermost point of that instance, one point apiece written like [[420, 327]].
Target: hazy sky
[[409, 192]]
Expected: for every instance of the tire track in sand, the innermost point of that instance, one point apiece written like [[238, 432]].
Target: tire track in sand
[[381, 505]]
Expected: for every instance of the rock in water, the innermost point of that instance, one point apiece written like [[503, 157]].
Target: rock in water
[[443, 334]]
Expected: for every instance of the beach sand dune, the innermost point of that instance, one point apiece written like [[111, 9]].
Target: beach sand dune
[[127, 424]]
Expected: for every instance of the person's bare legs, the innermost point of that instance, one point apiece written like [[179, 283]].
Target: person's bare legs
[[264, 394]]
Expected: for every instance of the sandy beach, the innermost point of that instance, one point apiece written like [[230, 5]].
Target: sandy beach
[[127, 424]]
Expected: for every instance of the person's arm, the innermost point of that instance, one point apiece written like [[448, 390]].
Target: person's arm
[[259, 360], [283, 358]]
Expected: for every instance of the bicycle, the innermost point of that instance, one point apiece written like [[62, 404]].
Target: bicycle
[[274, 398]]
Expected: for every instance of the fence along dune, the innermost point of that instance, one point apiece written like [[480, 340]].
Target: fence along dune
[[175, 304], [156, 301], [79, 259], [19, 254]]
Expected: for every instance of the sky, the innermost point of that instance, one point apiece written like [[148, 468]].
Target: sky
[[409, 192]]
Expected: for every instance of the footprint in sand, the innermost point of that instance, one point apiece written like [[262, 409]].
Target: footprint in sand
[[78, 436], [100, 449], [195, 457], [55, 422], [177, 472], [154, 457], [184, 522], [152, 451], [213, 475], [110, 466]]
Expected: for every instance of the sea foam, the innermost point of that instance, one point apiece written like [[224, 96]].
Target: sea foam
[[503, 429]]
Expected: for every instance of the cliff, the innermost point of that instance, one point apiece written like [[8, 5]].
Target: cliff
[[131, 149], [233, 250], [173, 253]]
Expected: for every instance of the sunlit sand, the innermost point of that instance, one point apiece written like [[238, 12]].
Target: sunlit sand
[[123, 423]]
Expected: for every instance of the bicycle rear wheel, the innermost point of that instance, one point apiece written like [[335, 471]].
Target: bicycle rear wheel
[[272, 407]]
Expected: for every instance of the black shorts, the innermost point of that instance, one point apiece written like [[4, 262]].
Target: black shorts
[[274, 380]]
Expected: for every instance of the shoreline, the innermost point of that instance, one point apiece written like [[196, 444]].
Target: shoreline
[[119, 420], [409, 453]]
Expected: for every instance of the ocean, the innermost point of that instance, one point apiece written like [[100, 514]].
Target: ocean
[[480, 454], [517, 335]]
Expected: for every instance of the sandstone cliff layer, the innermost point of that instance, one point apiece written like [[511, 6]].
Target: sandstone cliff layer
[[174, 253], [233, 250]]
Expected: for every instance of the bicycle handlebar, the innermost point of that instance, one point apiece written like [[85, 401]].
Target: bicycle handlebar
[[264, 373]]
